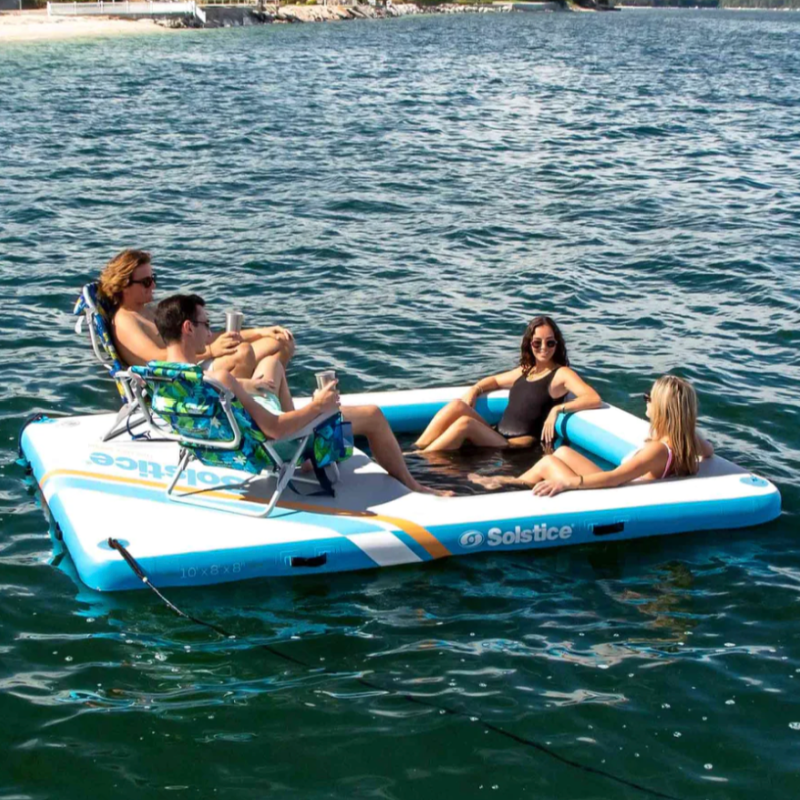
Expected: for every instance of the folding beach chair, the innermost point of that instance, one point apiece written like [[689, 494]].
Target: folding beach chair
[[91, 307], [211, 425]]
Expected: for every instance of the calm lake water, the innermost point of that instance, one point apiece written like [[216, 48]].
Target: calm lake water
[[406, 195]]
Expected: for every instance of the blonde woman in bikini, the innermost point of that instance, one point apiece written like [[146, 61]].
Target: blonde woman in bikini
[[674, 449], [538, 390]]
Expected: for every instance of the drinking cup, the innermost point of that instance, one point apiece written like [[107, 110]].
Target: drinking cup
[[325, 377], [233, 321]]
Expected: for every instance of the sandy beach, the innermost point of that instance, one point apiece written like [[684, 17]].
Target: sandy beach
[[21, 26]]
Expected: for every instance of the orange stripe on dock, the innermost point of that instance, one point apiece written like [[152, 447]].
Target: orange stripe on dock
[[422, 536]]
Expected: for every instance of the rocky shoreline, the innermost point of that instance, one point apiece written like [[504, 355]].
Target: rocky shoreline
[[268, 13]]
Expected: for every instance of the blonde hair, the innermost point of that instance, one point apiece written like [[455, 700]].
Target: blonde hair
[[116, 275], [674, 416]]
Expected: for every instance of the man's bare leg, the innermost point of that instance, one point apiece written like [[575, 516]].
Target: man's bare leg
[[369, 421], [272, 371], [240, 364], [267, 346]]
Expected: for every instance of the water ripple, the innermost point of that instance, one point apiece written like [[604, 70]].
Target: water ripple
[[404, 196]]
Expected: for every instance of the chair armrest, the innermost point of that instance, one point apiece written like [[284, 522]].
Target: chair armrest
[[306, 430]]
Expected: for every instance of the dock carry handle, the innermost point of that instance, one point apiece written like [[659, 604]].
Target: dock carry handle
[[604, 530], [310, 561]]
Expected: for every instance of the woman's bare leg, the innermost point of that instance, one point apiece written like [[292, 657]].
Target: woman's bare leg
[[496, 481], [546, 468], [579, 464], [369, 421], [467, 429], [444, 419]]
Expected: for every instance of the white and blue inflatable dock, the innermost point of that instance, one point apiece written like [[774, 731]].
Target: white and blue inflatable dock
[[96, 490]]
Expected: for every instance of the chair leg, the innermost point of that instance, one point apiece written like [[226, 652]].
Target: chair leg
[[191, 499], [284, 476], [285, 473], [182, 464], [123, 422]]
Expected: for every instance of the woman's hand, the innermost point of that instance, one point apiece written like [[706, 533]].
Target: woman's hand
[[327, 398], [704, 448], [549, 427], [225, 344], [556, 486]]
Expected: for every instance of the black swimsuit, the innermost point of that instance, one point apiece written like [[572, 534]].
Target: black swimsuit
[[529, 403]]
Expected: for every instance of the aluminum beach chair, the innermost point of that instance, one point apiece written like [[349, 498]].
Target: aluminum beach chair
[[91, 308], [182, 404]]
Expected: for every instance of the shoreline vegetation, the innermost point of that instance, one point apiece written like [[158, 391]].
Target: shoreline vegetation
[[36, 25]]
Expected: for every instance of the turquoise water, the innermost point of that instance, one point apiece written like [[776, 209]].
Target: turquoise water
[[405, 195]]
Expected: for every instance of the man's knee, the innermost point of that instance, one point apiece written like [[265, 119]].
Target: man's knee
[[287, 348], [281, 348], [374, 414], [372, 418], [244, 357]]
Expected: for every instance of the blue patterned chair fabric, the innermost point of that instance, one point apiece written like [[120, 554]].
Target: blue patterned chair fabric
[[99, 313], [193, 409]]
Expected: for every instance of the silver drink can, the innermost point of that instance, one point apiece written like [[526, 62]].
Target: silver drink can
[[325, 377], [233, 321]]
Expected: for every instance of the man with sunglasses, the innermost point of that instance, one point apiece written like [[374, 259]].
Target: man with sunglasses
[[127, 284]]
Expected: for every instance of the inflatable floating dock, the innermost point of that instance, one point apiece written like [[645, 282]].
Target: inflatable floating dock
[[96, 489]]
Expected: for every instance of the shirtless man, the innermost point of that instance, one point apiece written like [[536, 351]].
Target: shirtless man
[[183, 324], [127, 284]]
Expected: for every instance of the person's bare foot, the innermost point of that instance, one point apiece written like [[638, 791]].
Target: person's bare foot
[[418, 487], [487, 481]]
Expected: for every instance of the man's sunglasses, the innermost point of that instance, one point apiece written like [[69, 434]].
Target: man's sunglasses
[[202, 322], [646, 397], [147, 282], [537, 344]]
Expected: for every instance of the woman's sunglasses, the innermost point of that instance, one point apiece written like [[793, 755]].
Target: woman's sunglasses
[[147, 282], [538, 344], [646, 397]]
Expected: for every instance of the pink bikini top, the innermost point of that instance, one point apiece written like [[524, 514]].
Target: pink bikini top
[[669, 461], [667, 469]]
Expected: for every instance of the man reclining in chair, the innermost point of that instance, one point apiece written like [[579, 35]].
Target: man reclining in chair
[[182, 324], [126, 284]]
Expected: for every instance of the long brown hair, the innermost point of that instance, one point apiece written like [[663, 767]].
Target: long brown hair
[[526, 359], [116, 275], [674, 416]]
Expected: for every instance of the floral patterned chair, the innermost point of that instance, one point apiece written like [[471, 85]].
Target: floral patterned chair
[[182, 404]]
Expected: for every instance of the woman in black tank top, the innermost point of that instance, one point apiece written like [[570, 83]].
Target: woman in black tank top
[[538, 390]]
